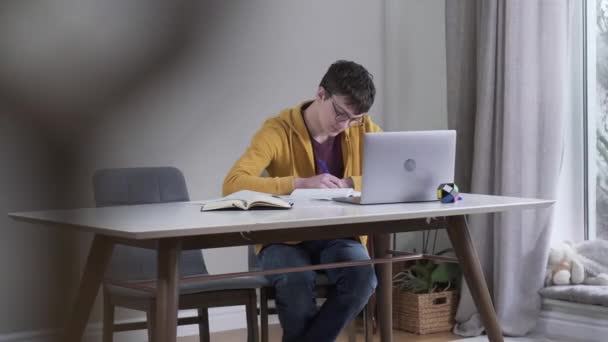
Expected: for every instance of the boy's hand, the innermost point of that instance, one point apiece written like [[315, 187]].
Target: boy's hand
[[322, 181], [347, 183]]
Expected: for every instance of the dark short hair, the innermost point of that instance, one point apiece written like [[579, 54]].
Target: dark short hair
[[346, 78]]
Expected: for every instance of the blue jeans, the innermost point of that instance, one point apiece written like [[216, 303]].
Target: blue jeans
[[300, 318]]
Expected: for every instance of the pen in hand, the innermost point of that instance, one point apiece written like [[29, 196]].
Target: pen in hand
[[323, 166], [323, 180], [325, 169]]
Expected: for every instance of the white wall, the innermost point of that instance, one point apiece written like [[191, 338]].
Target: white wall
[[35, 261], [415, 78], [415, 65]]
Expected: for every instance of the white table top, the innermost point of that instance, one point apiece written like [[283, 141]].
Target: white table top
[[185, 218]]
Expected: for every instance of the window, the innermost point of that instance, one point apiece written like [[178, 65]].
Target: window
[[597, 117]]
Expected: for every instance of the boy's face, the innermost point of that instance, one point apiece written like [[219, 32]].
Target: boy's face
[[335, 114]]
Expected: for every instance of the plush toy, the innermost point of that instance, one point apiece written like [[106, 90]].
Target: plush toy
[[567, 267], [564, 267], [600, 279]]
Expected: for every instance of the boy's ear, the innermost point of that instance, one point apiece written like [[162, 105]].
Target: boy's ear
[[321, 93]]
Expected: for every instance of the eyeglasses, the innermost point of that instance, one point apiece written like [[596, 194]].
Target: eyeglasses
[[342, 116]]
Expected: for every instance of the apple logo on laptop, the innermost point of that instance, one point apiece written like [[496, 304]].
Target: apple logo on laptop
[[410, 165]]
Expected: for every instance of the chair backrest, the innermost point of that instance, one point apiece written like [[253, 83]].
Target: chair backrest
[[141, 185], [146, 185]]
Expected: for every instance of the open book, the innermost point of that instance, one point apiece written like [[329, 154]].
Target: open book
[[245, 200]]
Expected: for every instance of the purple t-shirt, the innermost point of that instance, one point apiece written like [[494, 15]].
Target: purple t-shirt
[[329, 155]]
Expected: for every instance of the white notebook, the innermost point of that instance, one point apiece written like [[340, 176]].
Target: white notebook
[[323, 194]]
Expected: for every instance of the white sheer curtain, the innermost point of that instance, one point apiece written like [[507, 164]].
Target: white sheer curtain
[[508, 94]]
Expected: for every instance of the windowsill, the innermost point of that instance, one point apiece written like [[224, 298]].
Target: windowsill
[[586, 311], [572, 322]]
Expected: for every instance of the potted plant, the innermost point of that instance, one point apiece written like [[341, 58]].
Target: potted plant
[[425, 296]]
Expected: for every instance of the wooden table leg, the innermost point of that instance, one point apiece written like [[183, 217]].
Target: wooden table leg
[[384, 293], [473, 274], [167, 298], [94, 270]]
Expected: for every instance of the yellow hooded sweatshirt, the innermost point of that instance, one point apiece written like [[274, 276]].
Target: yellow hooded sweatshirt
[[282, 147]]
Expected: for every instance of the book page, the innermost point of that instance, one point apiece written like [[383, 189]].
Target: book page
[[323, 194], [223, 204], [262, 199], [250, 197], [246, 199]]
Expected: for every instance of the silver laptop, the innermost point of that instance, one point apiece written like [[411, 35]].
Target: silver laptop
[[405, 166]]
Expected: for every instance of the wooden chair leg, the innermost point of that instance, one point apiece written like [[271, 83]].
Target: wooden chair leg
[[108, 318], [264, 314], [368, 323], [371, 307], [203, 325], [151, 322], [252, 317]]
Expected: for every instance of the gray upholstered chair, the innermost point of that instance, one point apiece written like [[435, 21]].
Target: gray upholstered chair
[[135, 186], [322, 285]]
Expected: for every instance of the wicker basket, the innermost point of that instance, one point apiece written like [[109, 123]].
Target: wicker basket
[[424, 313]]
